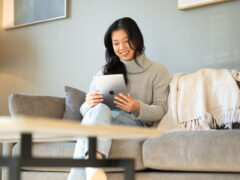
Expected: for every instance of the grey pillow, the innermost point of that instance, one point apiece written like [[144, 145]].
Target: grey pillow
[[74, 99]]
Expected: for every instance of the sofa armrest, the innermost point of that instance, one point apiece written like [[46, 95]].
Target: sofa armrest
[[33, 105]]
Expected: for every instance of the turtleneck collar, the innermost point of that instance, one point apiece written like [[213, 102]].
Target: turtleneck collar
[[133, 67]]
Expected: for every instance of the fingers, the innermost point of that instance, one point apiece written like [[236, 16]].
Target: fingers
[[94, 103], [126, 98], [122, 102], [119, 100], [125, 108], [93, 95], [127, 103], [123, 98], [122, 106], [93, 98]]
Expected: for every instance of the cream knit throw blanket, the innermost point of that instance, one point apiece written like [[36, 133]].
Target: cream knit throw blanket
[[206, 99]]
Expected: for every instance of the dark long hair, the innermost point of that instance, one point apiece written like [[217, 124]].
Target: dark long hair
[[113, 64]]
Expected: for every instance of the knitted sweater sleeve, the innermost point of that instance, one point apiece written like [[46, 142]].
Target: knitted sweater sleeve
[[84, 107], [158, 108]]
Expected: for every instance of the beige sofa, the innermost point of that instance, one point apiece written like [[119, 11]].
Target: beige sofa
[[199, 155]]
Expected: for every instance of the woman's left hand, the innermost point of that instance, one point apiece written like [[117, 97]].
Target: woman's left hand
[[127, 103]]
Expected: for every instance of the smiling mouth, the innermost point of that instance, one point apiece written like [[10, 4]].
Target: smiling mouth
[[124, 53]]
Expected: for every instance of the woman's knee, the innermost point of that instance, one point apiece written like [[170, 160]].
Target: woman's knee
[[99, 114]]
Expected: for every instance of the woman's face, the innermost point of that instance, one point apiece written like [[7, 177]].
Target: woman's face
[[121, 46]]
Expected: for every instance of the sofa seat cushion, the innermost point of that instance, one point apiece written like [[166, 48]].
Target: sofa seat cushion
[[128, 149], [48, 150], [213, 150], [26, 175], [119, 149]]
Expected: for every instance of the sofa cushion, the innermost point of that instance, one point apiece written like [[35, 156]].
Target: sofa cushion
[[128, 149], [26, 175], [48, 150], [213, 150], [33, 105], [74, 99], [119, 149]]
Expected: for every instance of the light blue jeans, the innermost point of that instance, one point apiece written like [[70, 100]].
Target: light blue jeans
[[99, 115]]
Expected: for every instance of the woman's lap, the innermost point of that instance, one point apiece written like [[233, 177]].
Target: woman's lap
[[124, 118], [103, 115]]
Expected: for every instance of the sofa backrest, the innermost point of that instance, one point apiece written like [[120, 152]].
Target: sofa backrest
[[33, 105]]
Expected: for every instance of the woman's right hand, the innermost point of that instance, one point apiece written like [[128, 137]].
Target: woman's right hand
[[93, 98]]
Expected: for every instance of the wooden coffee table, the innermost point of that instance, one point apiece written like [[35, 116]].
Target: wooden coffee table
[[34, 129]]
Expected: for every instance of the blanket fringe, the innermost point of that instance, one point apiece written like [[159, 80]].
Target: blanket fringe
[[227, 118], [207, 121]]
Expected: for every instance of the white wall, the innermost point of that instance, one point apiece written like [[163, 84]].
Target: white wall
[[42, 58]]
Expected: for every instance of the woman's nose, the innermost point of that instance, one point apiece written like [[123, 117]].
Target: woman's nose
[[122, 46]]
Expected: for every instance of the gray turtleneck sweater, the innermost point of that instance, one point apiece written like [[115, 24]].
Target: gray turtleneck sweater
[[149, 84]]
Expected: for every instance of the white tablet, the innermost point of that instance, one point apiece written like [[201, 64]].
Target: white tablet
[[109, 86]]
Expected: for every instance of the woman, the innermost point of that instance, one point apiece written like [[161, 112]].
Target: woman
[[147, 83]]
